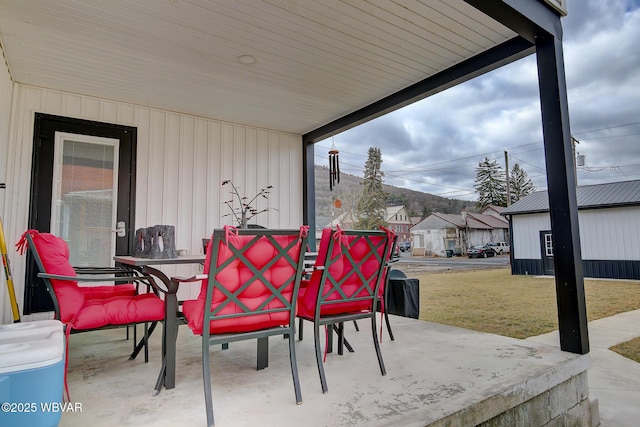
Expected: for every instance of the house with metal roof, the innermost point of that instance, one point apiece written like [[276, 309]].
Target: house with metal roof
[[439, 233], [609, 224]]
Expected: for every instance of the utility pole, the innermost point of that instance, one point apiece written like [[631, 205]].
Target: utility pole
[[573, 153], [506, 168]]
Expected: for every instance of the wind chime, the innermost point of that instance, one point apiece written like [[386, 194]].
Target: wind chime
[[334, 166]]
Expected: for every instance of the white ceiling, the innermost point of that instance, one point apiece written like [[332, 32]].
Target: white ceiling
[[315, 60]]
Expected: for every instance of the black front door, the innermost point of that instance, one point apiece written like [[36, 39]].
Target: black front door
[[83, 190], [546, 247]]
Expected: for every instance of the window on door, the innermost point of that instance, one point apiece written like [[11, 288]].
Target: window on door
[[85, 187], [548, 245]]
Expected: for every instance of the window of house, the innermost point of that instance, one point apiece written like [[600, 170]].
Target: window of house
[[548, 245]]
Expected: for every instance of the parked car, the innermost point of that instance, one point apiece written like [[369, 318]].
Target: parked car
[[480, 251], [396, 252], [404, 246], [500, 247]]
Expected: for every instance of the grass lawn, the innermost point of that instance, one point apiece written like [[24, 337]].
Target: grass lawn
[[496, 302], [630, 349]]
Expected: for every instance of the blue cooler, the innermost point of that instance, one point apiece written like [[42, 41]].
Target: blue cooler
[[31, 373]]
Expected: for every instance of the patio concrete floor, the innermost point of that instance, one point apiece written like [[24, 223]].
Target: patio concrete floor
[[433, 372]]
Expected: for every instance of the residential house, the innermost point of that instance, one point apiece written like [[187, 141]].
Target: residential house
[[397, 218], [492, 210], [439, 233], [609, 222], [400, 222]]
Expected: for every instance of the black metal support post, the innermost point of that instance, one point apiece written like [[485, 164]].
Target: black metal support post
[[309, 192], [563, 206]]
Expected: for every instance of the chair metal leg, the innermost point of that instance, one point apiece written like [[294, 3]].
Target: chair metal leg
[[355, 323], [341, 338], [386, 319], [141, 343], [146, 342], [300, 329], [294, 369], [316, 339], [206, 379], [160, 380], [383, 371]]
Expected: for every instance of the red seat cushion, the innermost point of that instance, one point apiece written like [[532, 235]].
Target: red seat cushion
[[119, 311], [338, 268], [237, 274], [101, 292]]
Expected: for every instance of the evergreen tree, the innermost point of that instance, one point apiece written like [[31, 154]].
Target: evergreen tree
[[425, 212], [519, 183], [490, 184], [371, 209]]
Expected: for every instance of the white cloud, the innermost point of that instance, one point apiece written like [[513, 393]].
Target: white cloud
[[435, 145]]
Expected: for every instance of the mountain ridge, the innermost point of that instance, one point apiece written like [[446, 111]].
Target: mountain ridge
[[417, 203]]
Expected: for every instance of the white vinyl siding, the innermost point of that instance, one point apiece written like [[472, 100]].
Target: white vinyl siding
[[605, 234], [610, 234], [181, 163], [526, 235], [6, 97]]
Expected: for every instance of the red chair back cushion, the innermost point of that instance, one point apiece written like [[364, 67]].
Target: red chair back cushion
[[235, 275], [54, 254], [340, 267]]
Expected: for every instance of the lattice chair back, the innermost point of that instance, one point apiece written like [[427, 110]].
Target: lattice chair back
[[352, 274]]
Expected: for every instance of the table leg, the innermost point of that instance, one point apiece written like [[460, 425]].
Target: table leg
[[171, 326], [263, 353], [167, 376]]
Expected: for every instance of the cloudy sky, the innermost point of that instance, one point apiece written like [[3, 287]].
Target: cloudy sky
[[435, 145]]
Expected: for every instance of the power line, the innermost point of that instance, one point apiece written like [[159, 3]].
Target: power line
[[525, 162], [610, 136], [606, 128]]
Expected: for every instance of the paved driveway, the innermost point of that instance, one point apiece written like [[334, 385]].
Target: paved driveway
[[457, 263]]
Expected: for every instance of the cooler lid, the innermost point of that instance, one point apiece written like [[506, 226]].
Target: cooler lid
[[32, 353], [25, 331]]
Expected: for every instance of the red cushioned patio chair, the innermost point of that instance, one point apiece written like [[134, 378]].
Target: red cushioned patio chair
[[347, 287], [85, 308], [253, 280], [382, 291]]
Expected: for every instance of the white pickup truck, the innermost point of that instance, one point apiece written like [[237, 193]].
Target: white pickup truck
[[499, 247]]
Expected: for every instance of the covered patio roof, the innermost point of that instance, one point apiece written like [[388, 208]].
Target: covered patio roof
[[315, 62], [307, 67]]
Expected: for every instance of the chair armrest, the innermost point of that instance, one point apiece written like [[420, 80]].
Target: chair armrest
[[143, 279], [175, 281], [195, 278], [92, 278], [392, 261], [102, 270]]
